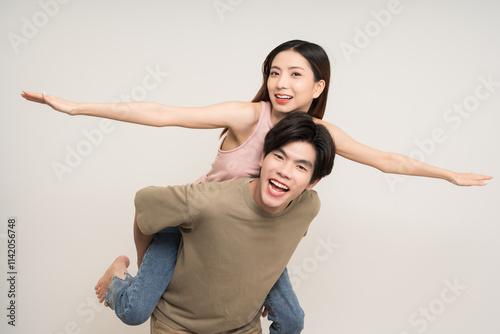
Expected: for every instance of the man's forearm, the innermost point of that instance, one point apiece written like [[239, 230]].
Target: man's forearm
[[142, 242]]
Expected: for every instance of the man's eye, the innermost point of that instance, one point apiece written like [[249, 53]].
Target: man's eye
[[277, 156]]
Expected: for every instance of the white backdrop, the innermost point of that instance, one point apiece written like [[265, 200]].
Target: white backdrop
[[386, 255]]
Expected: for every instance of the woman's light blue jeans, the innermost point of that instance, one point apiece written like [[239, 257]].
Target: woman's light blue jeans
[[134, 299]]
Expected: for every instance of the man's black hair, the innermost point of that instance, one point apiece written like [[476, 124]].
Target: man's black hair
[[299, 126]]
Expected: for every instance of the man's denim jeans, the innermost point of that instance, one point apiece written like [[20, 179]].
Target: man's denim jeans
[[134, 299]]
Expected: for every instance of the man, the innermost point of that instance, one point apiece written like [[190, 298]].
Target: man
[[237, 236]]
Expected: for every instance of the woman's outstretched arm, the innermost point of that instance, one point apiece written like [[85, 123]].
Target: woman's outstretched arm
[[396, 163], [232, 115]]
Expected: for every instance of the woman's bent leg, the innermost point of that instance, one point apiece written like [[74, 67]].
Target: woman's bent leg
[[134, 299], [284, 308]]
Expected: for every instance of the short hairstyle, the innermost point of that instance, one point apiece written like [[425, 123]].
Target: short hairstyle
[[299, 126]]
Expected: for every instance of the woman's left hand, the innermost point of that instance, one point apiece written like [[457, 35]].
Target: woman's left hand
[[470, 179]]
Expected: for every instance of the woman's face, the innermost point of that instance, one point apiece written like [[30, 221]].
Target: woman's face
[[291, 84]]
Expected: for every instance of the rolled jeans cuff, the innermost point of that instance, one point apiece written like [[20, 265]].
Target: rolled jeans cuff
[[116, 289]]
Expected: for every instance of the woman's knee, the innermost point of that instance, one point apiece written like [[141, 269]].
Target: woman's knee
[[133, 317]]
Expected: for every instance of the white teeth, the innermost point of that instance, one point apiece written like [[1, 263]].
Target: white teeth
[[279, 185], [284, 97]]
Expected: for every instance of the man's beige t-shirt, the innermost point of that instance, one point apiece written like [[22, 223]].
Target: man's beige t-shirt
[[231, 254]]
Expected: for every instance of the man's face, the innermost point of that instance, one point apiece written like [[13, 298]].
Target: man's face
[[285, 174]]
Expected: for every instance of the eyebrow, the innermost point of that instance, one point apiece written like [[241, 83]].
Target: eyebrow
[[290, 68], [301, 161]]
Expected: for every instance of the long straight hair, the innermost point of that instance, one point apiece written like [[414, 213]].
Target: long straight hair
[[320, 65]]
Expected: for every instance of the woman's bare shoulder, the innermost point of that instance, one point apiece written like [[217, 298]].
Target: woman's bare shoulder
[[243, 114]]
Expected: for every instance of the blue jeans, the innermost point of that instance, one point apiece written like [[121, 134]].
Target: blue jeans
[[134, 299]]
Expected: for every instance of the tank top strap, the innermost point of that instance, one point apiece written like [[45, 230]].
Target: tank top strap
[[242, 161]]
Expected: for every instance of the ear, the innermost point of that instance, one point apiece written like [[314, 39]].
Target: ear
[[261, 160], [318, 88], [312, 184]]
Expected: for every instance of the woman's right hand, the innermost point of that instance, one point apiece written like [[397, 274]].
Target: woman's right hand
[[54, 102]]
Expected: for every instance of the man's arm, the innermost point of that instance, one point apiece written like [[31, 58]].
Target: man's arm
[[142, 242], [161, 207]]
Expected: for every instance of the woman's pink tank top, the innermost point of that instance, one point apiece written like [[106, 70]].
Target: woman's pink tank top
[[242, 161]]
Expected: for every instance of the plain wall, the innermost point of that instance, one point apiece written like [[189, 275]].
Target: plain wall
[[386, 255]]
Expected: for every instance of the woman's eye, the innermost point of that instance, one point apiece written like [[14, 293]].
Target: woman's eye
[[296, 74]]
